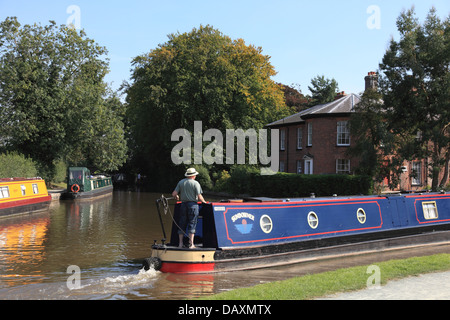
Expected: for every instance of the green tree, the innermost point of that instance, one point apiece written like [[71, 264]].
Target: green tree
[[415, 84], [52, 97], [14, 165], [323, 90], [373, 141], [201, 75]]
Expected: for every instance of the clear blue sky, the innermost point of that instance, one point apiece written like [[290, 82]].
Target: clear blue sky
[[339, 39]]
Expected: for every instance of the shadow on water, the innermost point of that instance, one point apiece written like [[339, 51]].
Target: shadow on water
[[107, 239]]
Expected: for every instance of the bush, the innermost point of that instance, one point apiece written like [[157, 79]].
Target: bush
[[203, 178], [15, 165], [241, 180], [222, 182], [246, 180], [60, 172]]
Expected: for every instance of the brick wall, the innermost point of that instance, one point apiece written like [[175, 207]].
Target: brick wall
[[324, 150]]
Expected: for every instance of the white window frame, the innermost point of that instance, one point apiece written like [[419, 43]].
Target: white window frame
[[343, 166], [343, 133], [4, 192], [430, 210], [309, 166], [417, 168], [310, 133], [313, 220], [282, 139], [299, 138]]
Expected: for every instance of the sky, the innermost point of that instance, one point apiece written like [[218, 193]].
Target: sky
[[343, 39]]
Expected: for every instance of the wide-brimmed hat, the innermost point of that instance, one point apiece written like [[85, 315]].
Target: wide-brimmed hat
[[191, 172]]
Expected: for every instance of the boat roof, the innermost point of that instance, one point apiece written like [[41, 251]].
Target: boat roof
[[312, 198], [19, 179]]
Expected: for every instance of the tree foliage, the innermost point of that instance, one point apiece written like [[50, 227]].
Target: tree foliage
[[409, 118], [53, 102], [416, 89], [294, 97], [323, 90], [374, 142], [200, 75], [14, 165]]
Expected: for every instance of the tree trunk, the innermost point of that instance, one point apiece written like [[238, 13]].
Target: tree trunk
[[446, 169]]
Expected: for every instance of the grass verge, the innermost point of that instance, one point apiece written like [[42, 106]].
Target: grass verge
[[341, 280]]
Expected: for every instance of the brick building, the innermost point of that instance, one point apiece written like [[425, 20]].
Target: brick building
[[316, 140]]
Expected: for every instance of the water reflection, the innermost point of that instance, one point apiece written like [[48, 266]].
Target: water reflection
[[22, 248]]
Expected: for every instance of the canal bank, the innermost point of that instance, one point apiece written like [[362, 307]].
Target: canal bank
[[433, 286], [351, 279]]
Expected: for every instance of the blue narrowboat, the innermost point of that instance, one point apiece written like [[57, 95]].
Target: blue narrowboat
[[264, 232]]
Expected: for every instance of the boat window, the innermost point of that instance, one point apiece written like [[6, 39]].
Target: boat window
[[313, 220], [266, 224], [23, 189], [430, 210], [361, 215], [76, 174], [4, 192], [35, 188]]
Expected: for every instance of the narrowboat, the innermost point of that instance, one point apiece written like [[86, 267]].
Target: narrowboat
[[23, 195], [82, 185], [265, 232]]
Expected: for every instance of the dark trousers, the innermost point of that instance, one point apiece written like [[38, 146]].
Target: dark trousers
[[188, 217]]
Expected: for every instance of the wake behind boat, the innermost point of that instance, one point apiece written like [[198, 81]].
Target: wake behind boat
[[264, 232]]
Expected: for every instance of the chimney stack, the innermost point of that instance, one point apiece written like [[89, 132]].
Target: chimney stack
[[371, 81]]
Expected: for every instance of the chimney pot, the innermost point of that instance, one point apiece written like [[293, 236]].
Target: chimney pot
[[371, 81]]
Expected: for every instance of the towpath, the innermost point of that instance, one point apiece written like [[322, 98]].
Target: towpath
[[431, 286]]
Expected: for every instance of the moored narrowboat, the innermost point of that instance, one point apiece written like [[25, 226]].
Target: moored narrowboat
[[266, 232], [23, 195], [82, 185]]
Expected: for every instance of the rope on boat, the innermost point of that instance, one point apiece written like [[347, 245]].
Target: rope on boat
[[166, 209]]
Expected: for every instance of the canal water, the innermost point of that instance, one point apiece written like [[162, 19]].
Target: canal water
[[106, 240]]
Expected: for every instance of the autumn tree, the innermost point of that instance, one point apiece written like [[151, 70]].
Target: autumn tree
[[201, 75], [294, 97]]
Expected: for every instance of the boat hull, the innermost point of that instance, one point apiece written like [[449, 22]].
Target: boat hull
[[247, 259], [239, 236], [87, 194], [23, 196]]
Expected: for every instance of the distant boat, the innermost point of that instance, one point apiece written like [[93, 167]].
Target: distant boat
[[82, 185], [23, 195], [265, 232]]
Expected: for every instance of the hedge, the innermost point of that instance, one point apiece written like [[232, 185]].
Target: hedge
[[298, 185]]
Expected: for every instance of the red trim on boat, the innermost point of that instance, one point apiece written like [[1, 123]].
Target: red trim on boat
[[183, 267], [19, 203]]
